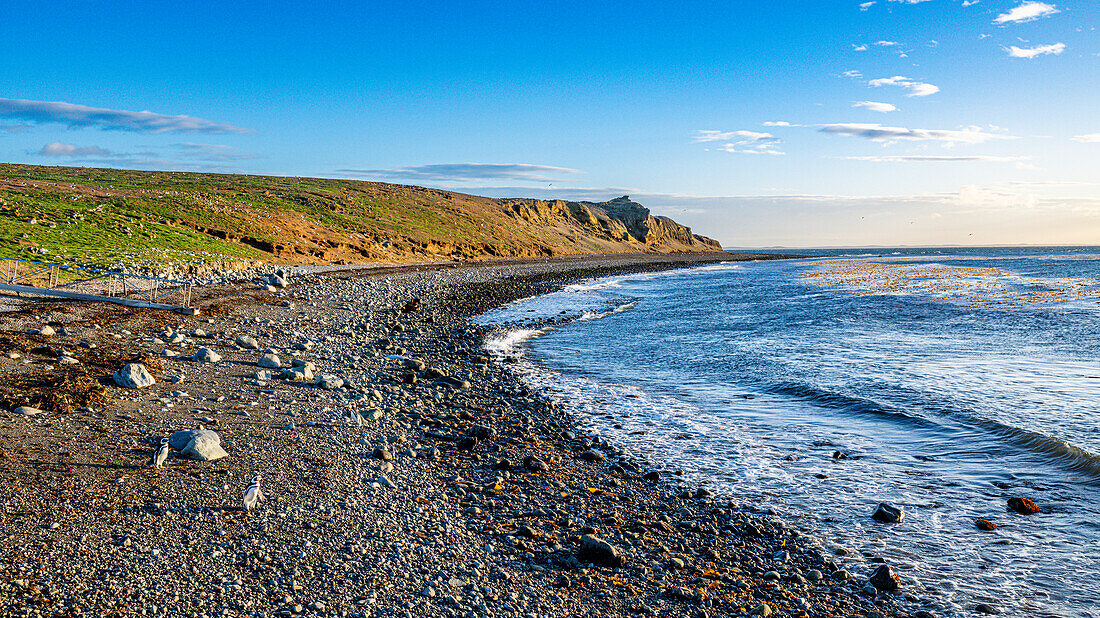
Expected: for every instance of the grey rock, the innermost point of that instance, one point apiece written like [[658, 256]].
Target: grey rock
[[28, 411], [248, 343], [328, 381], [206, 355], [269, 361], [888, 513], [599, 552]]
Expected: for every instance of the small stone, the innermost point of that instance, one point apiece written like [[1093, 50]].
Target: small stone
[[592, 455], [329, 382], [885, 578], [206, 355], [1023, 506], [269, 361], [985, 608], [46, 331], [888, 513], [771, 576], [814, 575], [599, 552], [27, 411], [534, 464], [761, 610], [247, 343], [383, 454], [985, 524]]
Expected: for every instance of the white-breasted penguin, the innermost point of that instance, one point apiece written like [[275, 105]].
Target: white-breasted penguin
[[160, 455], [252, 493]]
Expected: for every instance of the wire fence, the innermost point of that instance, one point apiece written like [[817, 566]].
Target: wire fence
[[49, 277]]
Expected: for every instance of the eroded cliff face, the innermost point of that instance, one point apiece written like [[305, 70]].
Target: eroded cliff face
[[619, 221]]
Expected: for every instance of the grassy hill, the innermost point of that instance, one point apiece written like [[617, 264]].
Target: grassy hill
[[112, 218]]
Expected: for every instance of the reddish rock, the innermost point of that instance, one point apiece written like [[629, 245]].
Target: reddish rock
[[1023, 506], [886, 578], [985, 524]]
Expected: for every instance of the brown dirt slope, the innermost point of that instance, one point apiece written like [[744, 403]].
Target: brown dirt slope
[[112, 217]]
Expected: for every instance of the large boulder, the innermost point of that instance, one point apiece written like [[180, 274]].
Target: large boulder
[[133, 375], [329, 381], [198, 444]]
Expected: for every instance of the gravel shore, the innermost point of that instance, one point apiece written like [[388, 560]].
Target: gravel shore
[[419, 478]]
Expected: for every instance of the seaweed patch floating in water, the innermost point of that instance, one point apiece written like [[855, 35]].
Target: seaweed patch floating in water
[[974, 287]]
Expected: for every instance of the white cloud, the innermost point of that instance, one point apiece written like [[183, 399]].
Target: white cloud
[[466, 172], [1040, 50], [853, 74], [61, 149], [1090, 138], [875, 106], [866, 5], [859, 48], [1027, 11], [780, 123], [909, 1], [744, 142], [43, 112], [938, 159], [970, 2], [886, 43], [879, 133], [915, 88], [718, 136]]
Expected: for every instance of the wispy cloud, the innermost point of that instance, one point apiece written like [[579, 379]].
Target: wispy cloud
[[744, 142], [1031, 52], [909, 1], [879, 133], [710, 135], [210, 152], [779, 123], [915, 88], [1028, 11], [875, 106], [859, 47], [1088, 138], [16, 128], [938, 159], [466, 172], [45, 112], [61, 149], [886, 43], [866, 5]]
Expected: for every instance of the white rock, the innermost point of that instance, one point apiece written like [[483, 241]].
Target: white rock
[[133, 375], [269, 361]]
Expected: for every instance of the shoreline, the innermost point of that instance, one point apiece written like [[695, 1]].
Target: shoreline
[[402, 516]]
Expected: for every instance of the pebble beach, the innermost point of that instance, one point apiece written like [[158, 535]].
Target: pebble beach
[[404, 471]]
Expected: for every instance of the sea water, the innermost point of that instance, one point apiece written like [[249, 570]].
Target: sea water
[[949, 379]]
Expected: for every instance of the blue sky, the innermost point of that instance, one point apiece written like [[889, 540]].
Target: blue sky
[[758, 123]]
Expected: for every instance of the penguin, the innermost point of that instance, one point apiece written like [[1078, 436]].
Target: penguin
[[252, 493], [160, 455]]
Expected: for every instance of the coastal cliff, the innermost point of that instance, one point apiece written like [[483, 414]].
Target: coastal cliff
[[113, 217]]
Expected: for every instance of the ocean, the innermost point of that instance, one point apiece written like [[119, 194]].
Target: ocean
[[944, 381]]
